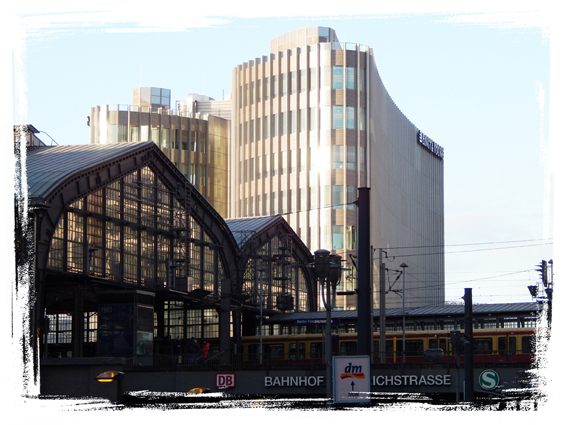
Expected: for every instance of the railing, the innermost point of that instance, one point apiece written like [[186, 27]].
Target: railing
[[285, 361]]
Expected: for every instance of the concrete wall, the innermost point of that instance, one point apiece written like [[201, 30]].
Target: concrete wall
[[78, 380]]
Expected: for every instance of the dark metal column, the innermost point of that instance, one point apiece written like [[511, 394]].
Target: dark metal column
[[224, 325], [364, 323], [469, 372]]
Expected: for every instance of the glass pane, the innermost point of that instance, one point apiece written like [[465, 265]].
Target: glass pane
[[337, 77]]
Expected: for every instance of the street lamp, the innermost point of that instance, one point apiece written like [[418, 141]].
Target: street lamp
[[111, 376], [328, 271], [403, 266]]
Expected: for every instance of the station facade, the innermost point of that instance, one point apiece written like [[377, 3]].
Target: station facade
[[130, 256]]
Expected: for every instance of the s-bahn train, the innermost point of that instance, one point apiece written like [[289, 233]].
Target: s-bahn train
[[502, 334], [497, 346]]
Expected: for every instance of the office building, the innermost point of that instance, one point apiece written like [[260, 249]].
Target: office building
[[196, 142], [312, 122]]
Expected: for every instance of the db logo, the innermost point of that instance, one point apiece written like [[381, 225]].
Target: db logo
[[225, 380]]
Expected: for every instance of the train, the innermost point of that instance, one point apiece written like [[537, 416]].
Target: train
[[512, 346]]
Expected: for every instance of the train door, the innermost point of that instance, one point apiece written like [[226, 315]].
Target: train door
[[506, 345], [296, 351]]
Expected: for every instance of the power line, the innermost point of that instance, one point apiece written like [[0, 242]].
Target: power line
[[465, 244], [462, 252]]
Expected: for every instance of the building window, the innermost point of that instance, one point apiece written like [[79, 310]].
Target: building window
[[303, 80], [313, 78], [338, 198], [351, 197], [337, 117], [351, 78], [292, 82], [337, 77], [122, 133], [274, 125], [60, 328], [155, 134], [312, 118], [362, 80], [338, 156], [144, 133], [337, 237], [90, 326], [284, 84], [351, 234], [283, 123], [134, 133], [351, 117], [351, 157], [274, 93]]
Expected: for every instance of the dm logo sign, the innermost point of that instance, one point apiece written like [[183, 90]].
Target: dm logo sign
[[488, 379], [351, 379]]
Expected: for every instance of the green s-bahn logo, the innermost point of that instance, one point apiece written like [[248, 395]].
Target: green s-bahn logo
[[488, 379]]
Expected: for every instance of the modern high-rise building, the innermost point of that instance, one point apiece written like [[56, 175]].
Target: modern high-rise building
[[195, 141], [311, 123], [302, 130]]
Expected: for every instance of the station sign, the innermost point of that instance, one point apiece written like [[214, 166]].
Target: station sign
[[430, 145], [351, 379], [334, 321], [488, 379]]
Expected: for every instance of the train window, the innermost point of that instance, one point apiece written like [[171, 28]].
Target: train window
[[316, 350], [252, 351], [512, 345], [376, 349], [482, 346], [506, 346], [414, 347], [389, 348], [438, 343], [528, 344], [348, 348], [296, 351], [275, 351]]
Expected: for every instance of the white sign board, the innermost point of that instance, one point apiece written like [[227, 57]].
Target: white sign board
[[351, 379]]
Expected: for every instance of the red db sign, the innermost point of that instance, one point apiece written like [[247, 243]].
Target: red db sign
[[225, 380]]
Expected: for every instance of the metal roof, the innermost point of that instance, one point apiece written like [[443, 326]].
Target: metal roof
[[48, 166], [444, 310], [244, 229]]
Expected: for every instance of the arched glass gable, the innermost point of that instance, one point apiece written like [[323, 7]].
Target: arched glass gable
[[136, 231], [275, 276]]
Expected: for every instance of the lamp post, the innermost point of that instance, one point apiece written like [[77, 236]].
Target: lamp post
[[403, 266], [112, 376], [328, 271]]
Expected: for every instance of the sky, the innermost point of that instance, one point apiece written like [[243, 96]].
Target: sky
[[481, 80], [476, 81]]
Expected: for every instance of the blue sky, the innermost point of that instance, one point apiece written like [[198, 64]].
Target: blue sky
[[477, 81]]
